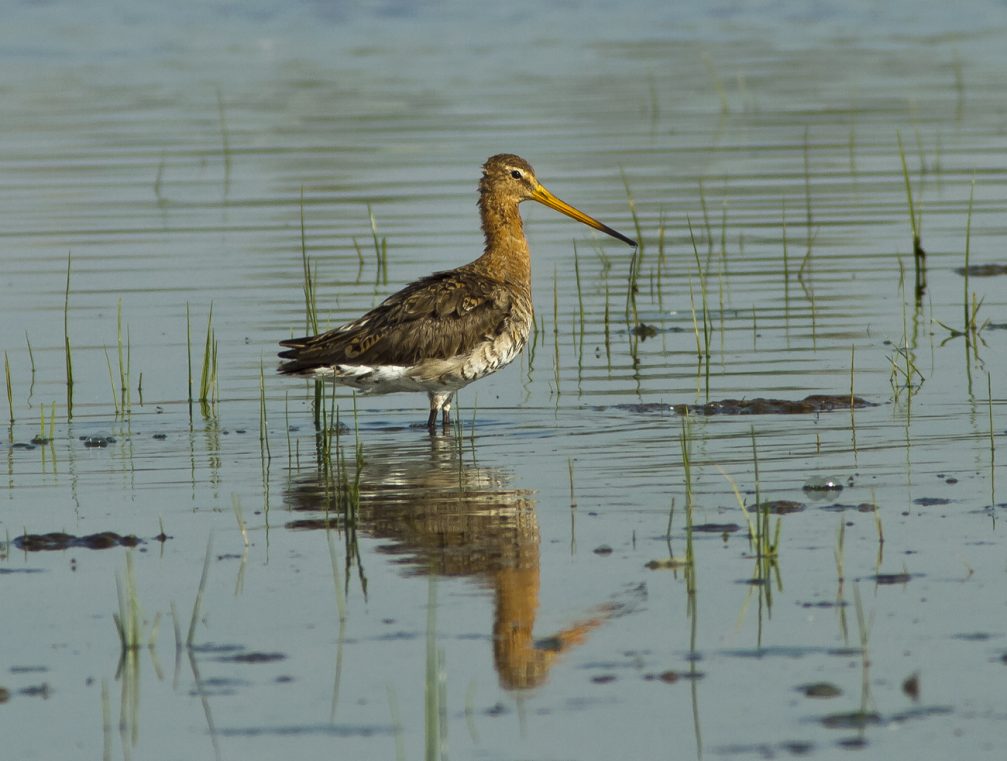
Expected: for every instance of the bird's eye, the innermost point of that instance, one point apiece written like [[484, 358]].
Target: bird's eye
[[515, 174]]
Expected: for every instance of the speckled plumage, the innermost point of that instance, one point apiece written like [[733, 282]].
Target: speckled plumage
[[440, 333]]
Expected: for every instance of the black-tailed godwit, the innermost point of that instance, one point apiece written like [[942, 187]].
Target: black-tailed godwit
[[446, 330]]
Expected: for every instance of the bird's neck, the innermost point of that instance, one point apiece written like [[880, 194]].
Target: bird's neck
[[506, 257]]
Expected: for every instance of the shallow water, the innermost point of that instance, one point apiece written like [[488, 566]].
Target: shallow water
[[506, 589]]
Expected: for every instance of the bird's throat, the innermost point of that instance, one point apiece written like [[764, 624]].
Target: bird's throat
[[506, 257]]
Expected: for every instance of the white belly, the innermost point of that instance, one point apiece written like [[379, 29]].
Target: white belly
[[435, 375]]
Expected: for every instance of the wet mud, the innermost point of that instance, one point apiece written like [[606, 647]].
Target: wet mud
[[760, 406], [58, 540]]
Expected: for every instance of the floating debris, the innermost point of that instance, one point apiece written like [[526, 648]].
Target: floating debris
[[931, 501], [851, 720], [819, 484], [911, 686], [670, 677], [666, 564], [646, 407], [716, 528], [923, 712], [779, 507], [253, 657], [892, 578], [97, 441], [825, 604], [838, 507], [797, 747], [853, 743], [57, 540], [37, 691], [759, 406], [983, 270], [644, 331], [819, 690], [313, 524]]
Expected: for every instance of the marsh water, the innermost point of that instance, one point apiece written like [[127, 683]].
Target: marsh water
[[568, 573]]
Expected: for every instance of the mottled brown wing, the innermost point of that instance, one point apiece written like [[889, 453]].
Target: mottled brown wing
[[441, 316]]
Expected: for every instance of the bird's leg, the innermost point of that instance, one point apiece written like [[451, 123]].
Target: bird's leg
[[446, 411], [440, 402]]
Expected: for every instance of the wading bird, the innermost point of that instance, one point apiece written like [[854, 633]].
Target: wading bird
[[448, 329]]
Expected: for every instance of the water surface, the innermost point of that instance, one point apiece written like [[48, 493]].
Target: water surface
[[509, 588]]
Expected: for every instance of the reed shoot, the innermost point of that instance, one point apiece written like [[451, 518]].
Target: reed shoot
[[208, 377], [636, 261], [188, 352], [310, 300], [10, 391], [263, 423], [360, 258], [111, 381], [840, 549], [66, 342], [970, 329], [753, 530], [879, 528], [31, 357], [915, 221], [993, 447], [128, 621], [580, 294], [685, 442], [380, 249], [555, 333], [573, 497], [197, 604], [240, 517], [434, 691], [703, 351], [124, 359], [808, 219]]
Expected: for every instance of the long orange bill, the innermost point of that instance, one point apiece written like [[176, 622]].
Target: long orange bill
[[543, 196]]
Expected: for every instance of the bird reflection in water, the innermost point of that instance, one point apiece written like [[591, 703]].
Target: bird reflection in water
[[442, 516]]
